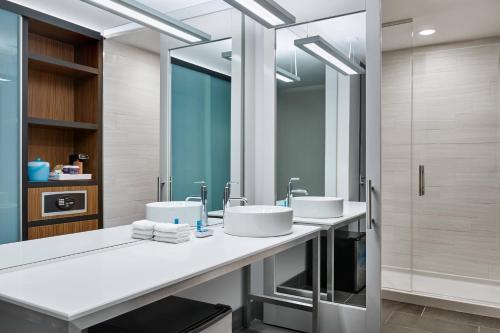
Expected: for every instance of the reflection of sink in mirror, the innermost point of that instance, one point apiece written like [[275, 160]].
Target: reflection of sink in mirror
[[318, 207], [258, 221], [186, 211]]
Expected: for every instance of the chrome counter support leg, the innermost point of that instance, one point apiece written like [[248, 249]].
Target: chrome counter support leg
[[247, 303], [315, 283]]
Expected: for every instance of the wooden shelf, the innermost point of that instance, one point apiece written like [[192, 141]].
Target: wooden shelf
[[49, 123], [55, 183], [61, 67]]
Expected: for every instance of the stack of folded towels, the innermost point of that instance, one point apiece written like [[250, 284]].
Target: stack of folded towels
[[171, 233], [143, 229]]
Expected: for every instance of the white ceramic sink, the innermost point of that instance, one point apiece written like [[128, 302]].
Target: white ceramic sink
[[186, 211], [258, 221], [317, 207]]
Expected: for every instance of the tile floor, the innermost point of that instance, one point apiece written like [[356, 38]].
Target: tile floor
[[409, 318]]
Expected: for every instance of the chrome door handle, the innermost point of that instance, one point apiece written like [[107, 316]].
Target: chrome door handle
[[369, 219], [421, 180], [159, 188]]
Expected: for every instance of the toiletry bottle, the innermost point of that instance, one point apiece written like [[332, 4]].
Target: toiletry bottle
[[176, 221]]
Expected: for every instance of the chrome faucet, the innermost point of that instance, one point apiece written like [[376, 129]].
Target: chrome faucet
[[228, 199], [203, 198], [291, 191]]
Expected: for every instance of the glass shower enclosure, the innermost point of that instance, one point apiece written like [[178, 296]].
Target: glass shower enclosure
[[441, 167]]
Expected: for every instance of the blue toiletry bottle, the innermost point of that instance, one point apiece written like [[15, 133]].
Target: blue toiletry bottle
[[176, 221]]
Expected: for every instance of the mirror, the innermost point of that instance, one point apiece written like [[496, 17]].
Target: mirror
[[201, 120], [320, 139]]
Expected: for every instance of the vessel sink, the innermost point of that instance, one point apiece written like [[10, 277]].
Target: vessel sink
[[186, 211], [258, 221], [318, 207]]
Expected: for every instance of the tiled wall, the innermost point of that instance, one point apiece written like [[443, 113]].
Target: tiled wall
[[131, 106]]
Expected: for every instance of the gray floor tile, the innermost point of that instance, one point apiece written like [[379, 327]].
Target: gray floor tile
[[429, 324], [400, 329], [460, 317], [389, 306]]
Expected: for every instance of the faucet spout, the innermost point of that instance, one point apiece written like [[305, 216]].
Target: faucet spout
[[291, 191]]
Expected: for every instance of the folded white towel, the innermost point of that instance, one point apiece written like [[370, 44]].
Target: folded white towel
[[171, 239], [141, 236], [143, 232], [171, 228], [143, 225], [181, 234]]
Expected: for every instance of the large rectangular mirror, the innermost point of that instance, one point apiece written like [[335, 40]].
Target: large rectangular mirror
[[320, 157], [201, 120]]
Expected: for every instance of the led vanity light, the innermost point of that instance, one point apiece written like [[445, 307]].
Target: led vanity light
[[137, 12], [267, 12], [322, 50], [286, 76], [281, 74]]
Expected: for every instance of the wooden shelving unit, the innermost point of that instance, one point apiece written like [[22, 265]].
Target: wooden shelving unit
[[63, 117]]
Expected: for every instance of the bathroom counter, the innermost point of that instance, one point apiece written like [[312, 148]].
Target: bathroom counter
[[78, 291], [353, 210], [17, 254]]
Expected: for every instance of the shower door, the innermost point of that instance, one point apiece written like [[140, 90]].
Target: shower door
[[455, 171]]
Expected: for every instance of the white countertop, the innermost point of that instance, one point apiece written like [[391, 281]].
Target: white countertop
[[28, 252], [79, 285], [352, 211]]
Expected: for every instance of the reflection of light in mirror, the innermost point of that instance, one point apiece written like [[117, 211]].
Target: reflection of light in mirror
[[4, 80], [322, 50], [286, 76], [330, 58], [283, 78], [137, 16]]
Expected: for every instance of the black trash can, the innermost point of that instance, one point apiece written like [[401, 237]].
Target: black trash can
[[350, 261], [171, 315]]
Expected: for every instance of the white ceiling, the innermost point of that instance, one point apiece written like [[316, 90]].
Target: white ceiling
[[97, 19], [93, 18], [454, 20]]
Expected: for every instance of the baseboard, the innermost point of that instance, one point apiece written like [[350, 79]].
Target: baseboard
[[447, 304]]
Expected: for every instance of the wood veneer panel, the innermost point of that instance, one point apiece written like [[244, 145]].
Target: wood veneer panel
[[35, 201], [61, 229], [50, 96], [87, 54], [50, 47], [86, 103], [88, 143], [51, 145]]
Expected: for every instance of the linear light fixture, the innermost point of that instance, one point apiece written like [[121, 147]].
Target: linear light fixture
[[286, 76], [137, 12], [281, 74], [4, 80], [322, 50], [267, 12]]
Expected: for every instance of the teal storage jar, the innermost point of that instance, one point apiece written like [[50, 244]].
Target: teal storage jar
[[38, 170]]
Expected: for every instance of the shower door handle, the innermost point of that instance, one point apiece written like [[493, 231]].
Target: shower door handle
[[369, 191], [421, 180]]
